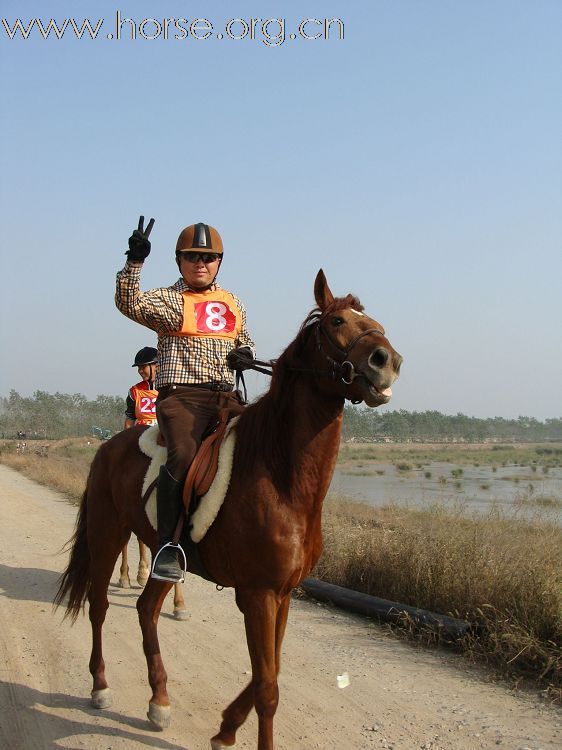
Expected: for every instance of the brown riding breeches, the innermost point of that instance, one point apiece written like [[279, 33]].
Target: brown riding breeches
[[184, 414]]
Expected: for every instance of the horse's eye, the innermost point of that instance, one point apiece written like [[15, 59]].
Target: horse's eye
[[337, 321]]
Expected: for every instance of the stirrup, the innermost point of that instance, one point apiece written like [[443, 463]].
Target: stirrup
[[184, 567]]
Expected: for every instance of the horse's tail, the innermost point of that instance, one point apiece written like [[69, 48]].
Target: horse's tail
[[75, 581]]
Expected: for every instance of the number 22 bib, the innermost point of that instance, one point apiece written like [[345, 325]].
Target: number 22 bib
[[145, 404]]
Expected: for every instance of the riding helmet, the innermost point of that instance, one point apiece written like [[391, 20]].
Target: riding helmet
[[148, 355], [200, 237]]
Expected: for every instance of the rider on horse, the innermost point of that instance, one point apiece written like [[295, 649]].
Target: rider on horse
[[141, 399], [202, 337]]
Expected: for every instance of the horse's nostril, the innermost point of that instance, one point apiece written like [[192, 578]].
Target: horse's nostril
[[398, 364], [379, 357]]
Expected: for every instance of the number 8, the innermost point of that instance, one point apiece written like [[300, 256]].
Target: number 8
[[215, 312]]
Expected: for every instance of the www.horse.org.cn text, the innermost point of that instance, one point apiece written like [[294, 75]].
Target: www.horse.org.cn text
[[272, 32]]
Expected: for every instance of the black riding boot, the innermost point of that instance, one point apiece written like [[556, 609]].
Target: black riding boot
[[169, 504]]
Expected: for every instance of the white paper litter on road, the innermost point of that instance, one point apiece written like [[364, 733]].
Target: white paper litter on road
[[343, 680]]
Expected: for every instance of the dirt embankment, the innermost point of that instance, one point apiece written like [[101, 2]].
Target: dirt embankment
[[399, 696]]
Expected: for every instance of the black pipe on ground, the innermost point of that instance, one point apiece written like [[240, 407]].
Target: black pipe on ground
[[448, 628]]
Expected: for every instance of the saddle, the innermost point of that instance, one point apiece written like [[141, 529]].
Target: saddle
[[204, 466]]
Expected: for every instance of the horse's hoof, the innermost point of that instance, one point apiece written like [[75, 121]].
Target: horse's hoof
[[141, 580], [159, 716], [216, 745], [181, 614], [124, 583], [102, 698]]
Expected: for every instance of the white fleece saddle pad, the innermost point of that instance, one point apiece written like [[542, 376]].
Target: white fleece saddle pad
[[211, 502]]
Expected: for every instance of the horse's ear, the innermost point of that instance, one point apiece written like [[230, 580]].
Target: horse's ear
[[322, 293]]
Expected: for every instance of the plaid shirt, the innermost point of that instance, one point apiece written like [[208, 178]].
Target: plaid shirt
[[181, 359]]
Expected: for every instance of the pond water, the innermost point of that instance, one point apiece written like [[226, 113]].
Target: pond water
[[477, 487]]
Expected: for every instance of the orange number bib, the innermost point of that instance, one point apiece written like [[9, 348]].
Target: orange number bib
[[145, 406], [210, 314]]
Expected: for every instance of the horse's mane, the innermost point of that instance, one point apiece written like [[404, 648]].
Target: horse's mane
[[266, 427]]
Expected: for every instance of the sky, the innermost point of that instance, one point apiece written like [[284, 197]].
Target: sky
[[418, 161]]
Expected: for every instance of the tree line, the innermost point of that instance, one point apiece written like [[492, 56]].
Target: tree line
[[428, 426], [59, 415], [46, 416]]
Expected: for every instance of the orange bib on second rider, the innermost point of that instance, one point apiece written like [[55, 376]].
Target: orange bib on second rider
[[145, 403], [210, 314]]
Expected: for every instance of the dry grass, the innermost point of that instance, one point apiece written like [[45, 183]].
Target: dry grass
[[64, 466], [501, 573]]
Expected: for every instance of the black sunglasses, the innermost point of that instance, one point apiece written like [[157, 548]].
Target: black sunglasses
[[194, 257]]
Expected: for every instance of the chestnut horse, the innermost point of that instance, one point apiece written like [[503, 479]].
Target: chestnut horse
[[143, 571], [267, 535]]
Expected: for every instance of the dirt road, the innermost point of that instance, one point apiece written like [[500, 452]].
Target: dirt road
[[399, 696]]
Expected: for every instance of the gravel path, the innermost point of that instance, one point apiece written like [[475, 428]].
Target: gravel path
[[400, 696]]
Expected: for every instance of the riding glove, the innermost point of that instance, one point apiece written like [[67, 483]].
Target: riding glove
[[240, 358], [139, 244]]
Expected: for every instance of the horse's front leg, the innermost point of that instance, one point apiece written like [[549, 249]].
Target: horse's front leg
[[124, 580], [265, 616], [280, 626], [149, 605], [144, 564]]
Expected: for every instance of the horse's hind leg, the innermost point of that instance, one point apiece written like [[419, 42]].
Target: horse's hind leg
[[265, 628], [102, 563], [233, 717], [149, 605], [144, 564], [180, 610], [124, 580]]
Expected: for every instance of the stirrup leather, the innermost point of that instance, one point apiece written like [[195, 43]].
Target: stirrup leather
[[183, 567]]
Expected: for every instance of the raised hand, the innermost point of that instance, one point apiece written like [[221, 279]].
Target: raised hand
[[139, 244]]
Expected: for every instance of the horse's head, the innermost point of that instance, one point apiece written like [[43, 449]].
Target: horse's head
[[354, 347]]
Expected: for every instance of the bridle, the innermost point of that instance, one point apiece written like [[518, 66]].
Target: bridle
[[337, 368], [344, 370]]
